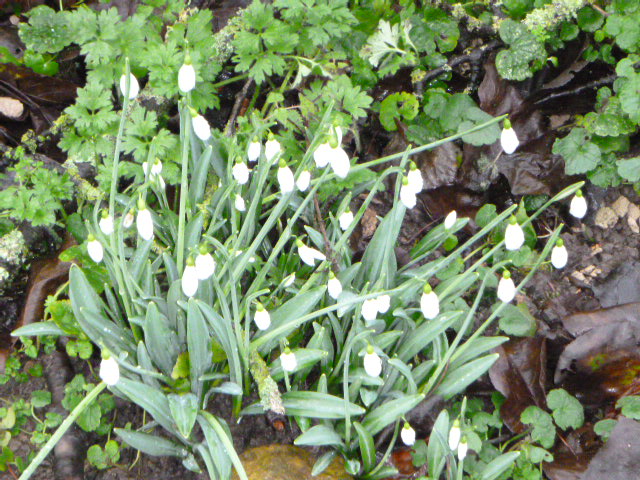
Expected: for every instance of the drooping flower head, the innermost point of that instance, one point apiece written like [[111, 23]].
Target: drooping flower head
[[408, 435], [271, 147], [513, 235], [407, 194], [262, 318], [134, 87], [372, 362], [106, 223], [285, 178], [205, 264], [578, 206], [190, 278], [334, 287], [186, 75], [144, 221], [304, 180], [414, 178], [345, 219], [200, 125], [109, 371], [240, 172], [559, 254], [253, 151], [506, 287], [454, 435], [94, 248], [429, 303], [508, 138], [288, 360], [309, 255], [450, 220]]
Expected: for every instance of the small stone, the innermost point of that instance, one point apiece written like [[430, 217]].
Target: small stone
[[606, 218], [633, 214], [287, 462], [621, 206]]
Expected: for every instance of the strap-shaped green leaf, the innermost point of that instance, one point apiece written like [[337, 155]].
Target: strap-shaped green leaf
[[389, 412], [499, 465], [151, 444], [422, 336], [457, 380], [367, 447], [161, 342], [199, 346], [150, 399], [319, 435]]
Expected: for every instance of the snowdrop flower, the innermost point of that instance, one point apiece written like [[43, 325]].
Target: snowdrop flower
[[454, 435], [285, 178], [513, 235], [240, 172], [271, 148], [559, 255], [508, 138], [506, 287], [205, 264], [144, 223], [462, 449], [578, 206], [253, 152], [109, 371], [106, 223], [322, 155], [186, 75], [415, 178], [262, 317], [303, 181], [190, 278], [450, 220], [156, 168], [407, 194], [345, 219], [134, 87], [334, 287], [94, 248], [288, 360], [239, 203], [309, 255], [370, 309], [408, 435], [200, 126], [128, 219], [429, 303], [340, 163], [383, 302], [372, 362]]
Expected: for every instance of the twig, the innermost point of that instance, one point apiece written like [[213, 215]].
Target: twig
[[230, 128], [327, 244]]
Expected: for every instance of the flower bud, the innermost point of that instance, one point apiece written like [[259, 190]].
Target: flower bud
[[134, 87], [94, 248], [288, 360], [372, 362]]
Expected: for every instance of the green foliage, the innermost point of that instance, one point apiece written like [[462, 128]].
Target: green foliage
[[103, 458], [630, 406], [95, 417], [525, 54], [398, 105]]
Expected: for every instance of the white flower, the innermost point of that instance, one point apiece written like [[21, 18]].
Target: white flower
[[506, 288], [271, 148], [578, 206], [240, 172], [156, 168], [407, 195], [106, 223], [288, 360], [559, 255], [134, 87], [186, 77], [201, 127], [94, 248], [340, 163], [370, 309], [144, 223], [345, 219], [334, 286], [508, 138], [383, 302], [109, 371], [322, 155], [454, 435], [253, 152], [450, 220], [285, 178], [408, 435], [429, 303], [128, 219], [372, 362], [309, 255], [415, 179], [239, 203], [190, 279], [287, 282], [462, 449], [513, 235], [262, 318], [304, 179], [205, 265]]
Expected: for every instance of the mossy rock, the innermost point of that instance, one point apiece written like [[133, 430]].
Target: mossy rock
[[287, 462]]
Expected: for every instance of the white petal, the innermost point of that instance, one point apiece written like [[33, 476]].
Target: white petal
[[383, 302], [128, 220], [513, 237], [345, 219], [559, 256], [156, 168], [578, 206], [334, 287], [134, 87], [322, 155], [190, 280], [240, 172], [415, 180], [186, 78], [340, 163], [370, 309], [285, 180], [95, 250], [450, 219], [201, 127], [106, 225], [239, 203], [109, 371], [288, 361], [309, 255], [372, 364], [430, 305], [253, 152], [454, 436], [262, 319], [205, 266], [408, 196], [304, 179], [462, 450], [271, 149], [509, 140], [506, 290], [144, 222], [408, 435]]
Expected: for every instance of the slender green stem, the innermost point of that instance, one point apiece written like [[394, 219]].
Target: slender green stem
[[64, 426], [184, 188], [237, 78]]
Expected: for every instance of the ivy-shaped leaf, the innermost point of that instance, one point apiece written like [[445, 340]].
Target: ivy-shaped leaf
[[401, 105], [525, 54], [567, 410], [580, 154]]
